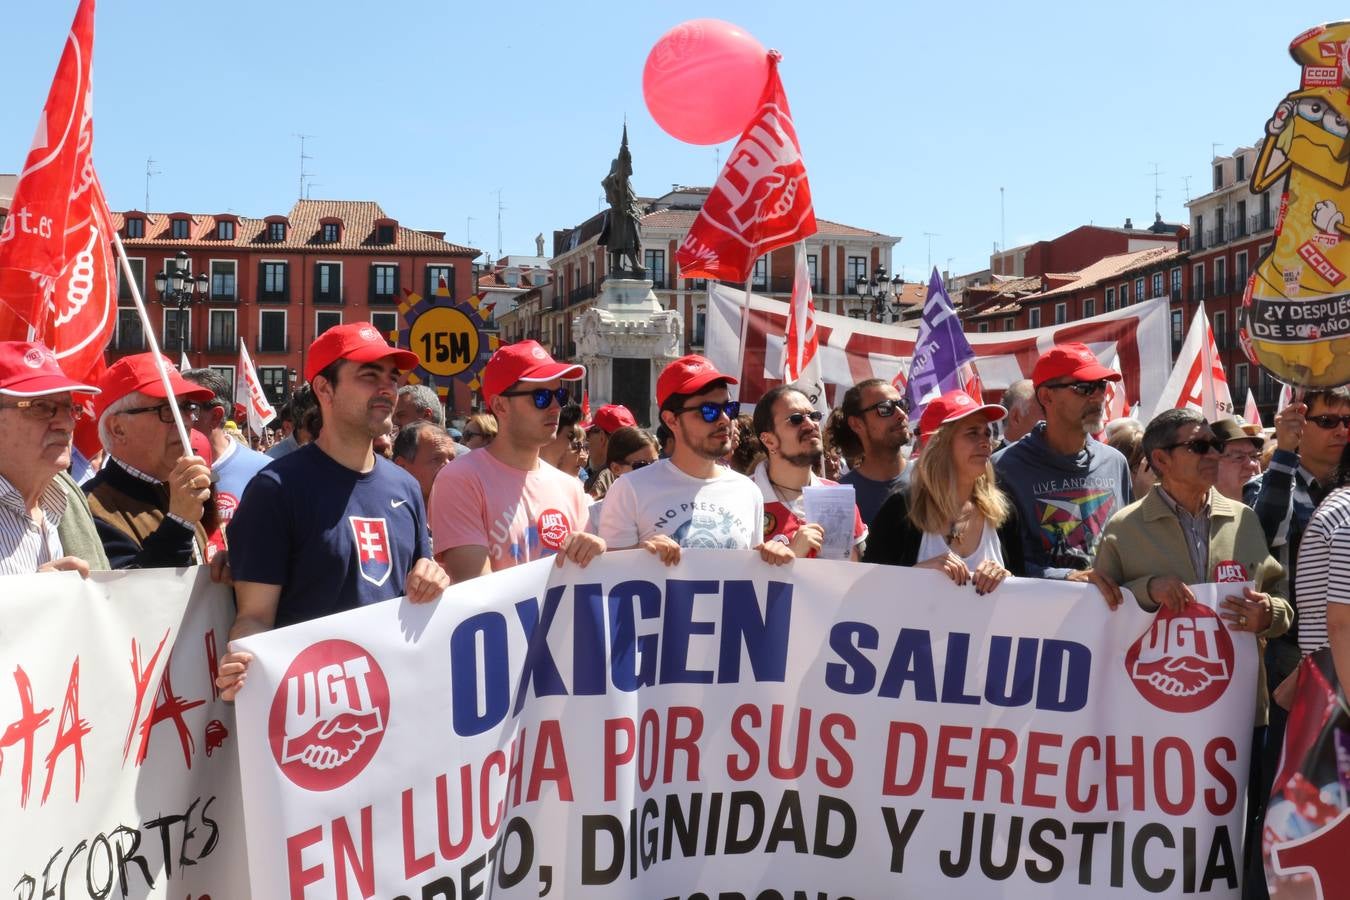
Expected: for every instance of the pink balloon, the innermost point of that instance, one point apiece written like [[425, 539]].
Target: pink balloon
[[703, 80]]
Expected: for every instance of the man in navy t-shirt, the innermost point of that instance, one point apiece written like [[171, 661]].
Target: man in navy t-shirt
[[331, 526]]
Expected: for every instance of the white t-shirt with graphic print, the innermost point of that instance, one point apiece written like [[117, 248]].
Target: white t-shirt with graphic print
[[725, 512]]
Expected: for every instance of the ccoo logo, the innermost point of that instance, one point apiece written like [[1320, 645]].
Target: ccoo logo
[[1184, 662], [329, 715]]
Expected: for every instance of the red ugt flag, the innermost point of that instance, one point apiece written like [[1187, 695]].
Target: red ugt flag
[[56, 266], [761, 201]]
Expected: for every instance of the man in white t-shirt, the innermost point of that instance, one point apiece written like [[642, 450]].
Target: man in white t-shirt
[[689, 500], [504, 506]]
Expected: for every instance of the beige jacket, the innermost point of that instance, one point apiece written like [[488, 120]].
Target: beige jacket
[[1144, 540]]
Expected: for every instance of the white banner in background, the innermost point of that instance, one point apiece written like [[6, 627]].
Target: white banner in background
[[118, 771], [723, 728]]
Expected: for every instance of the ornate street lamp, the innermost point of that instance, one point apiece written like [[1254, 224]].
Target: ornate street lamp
[[180, 289]]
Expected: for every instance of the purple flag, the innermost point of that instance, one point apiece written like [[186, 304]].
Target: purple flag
[[943, 360]]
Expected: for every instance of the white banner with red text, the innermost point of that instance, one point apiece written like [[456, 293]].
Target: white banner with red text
[[727, 729], [1133, 339], [118, 771]]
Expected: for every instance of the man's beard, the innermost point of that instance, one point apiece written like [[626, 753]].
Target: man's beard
[[1094, 421], [804, 460]]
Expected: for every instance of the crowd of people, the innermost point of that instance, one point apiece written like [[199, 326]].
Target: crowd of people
[[368, 494]]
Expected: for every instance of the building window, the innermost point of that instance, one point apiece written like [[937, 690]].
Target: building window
[[1125, 294], [437, 274], [273, 281], [1197, 234], [1198, 281], [1241, 167], [1218, 225], [759, 278], [1265, 211], [328, 282], [1220, 276], [1157, 284], [1176, 283], [1241, 224], [180, 229], [1061, 313], [226, 372], [130, 334], [697, 284], [700, 324], [383, 283], [1240, 384], [136, 227], [1138, 289], [177, 330], [276, 231], [223, 279], [1240, 276], [1178, 331], [384, 234], [983, 328], [812, 271], [272, 331], [137, 272], [1218, 176], [330, 232], [654, 267], [857, 272], [1221, 330], [1089, 307], [224, 231], [221, 337], [1110, 299], [325, 319], [1034, 317], [384, 322], [1009, 323], [273, 381]]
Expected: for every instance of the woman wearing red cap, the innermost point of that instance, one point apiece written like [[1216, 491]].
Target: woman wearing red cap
[[953, 517]]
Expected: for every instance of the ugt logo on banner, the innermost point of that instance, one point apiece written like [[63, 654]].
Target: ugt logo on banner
[[1184, 662], [329, 715]]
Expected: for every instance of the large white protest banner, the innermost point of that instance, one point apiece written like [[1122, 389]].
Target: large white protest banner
[[1134, 337], [118, 771], [727, 729]]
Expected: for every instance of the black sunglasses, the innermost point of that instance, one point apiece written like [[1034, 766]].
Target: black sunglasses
[[542, 396], [710, 411], [640, 464], [1082, 388], [885, 408], [1200, 446], [796, 419], [1330, 422]]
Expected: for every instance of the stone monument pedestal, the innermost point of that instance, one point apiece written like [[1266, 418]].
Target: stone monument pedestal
[[625, 339]]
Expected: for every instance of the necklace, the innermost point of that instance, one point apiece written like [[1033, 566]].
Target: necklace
[[785, 494], [958, 528]]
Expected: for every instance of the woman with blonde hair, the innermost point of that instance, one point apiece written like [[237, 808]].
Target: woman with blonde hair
[[953, 518], [480, 430]]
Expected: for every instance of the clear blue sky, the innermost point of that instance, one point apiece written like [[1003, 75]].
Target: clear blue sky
[[911, 115]]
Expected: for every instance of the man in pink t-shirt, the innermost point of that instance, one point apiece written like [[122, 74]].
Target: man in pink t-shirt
[[501, 506]]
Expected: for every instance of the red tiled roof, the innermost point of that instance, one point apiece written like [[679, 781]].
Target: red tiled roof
[[1110, 267], [357, 235]]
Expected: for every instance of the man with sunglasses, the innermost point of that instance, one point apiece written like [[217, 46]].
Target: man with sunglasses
[[148, 498], [789, 429], [45, 524], [871, 431], [688, 500], [1066, 484], [502, 506]]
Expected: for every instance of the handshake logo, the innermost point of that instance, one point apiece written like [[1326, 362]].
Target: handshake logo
[[1184, 662], [329, 715]]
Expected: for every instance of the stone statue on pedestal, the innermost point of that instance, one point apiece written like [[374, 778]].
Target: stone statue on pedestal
[[621, 234]]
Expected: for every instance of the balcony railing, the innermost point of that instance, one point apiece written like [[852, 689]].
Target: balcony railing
[[265, 346]]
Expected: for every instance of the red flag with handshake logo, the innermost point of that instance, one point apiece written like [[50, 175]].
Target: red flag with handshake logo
[[761, 201], [57, 280]]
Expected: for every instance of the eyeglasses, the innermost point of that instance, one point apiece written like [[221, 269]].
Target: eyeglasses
[[1241, 457], [1330, 422], [710, 411], [640, 464], [1082, 388], [46, 410], [1199, 446], [886, 408], [162, 410], [796, 419], [577, 446], [542, 396]]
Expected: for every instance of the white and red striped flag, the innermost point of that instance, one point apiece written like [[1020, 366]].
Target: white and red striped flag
[[1117, 406], [1251, 414], [801, 356], [1198, 380], [249, 391]]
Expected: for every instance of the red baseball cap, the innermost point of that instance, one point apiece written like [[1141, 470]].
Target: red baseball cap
[[29, 369], [131, 374], [952, 407], [1072, 360], [524, 361], [611, 417], [357, 341], [688, 375]]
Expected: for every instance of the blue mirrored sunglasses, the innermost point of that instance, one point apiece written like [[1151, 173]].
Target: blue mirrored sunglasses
[[542, 396], [710, 411]]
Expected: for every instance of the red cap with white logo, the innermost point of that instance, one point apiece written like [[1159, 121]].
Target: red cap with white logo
[[688, 375], [1072, 361], [524, 361], [952, 407], [357, 341], [29, 369]]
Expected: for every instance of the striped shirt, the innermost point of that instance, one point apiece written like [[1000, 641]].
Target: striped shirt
[[26, 544], [1323, 568]]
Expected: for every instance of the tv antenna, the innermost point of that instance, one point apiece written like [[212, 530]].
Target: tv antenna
[[1186, 180], [500, 208], [310, 186], [1002, 224], [468, 231], [1157, 190], [149, 171], [303, 156], [930, 235]]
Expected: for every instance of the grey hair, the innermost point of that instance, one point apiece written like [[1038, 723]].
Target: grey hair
[[426, 400], [1162, 430], [1121, 426], [405, 444], [1019, 396], [134, 399]]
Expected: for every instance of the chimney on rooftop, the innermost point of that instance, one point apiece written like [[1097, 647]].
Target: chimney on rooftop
[[539, 244], [1128, 223]]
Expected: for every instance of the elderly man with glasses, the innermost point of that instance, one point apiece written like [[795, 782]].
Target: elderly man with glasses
[[45, 525], [148, 498], [1066, 484]]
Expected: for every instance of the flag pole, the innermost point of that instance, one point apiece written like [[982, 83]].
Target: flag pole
[[154, 344]]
